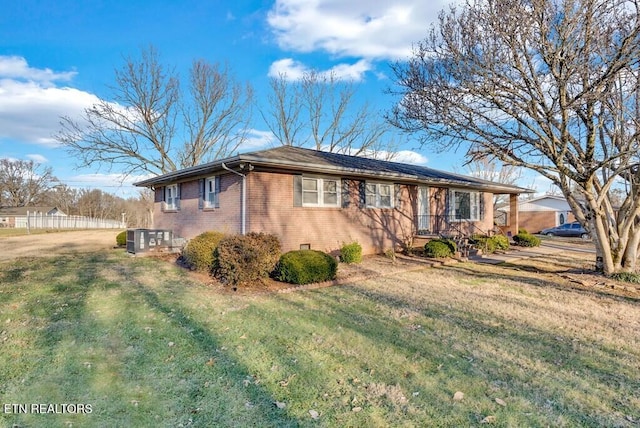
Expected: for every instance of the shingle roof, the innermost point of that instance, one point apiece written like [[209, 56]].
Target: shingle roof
[[306, 160], [20, 211]]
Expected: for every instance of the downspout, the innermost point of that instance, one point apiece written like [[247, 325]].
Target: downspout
[[243, 203]]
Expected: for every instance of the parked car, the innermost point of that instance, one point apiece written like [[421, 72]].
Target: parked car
[[574, 229]]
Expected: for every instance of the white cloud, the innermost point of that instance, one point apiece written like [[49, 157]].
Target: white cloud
[[15, 67], [294, 70], [411, 157], [256, 140], [38, 158], [357, 28], [31, 105]]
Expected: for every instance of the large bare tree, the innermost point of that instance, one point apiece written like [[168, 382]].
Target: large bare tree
[[319, 111], [24, 183], [549, 85], [152, 125]]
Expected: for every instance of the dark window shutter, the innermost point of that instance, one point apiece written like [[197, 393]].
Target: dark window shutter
[[398, 196], [481, 203], [297, 190], [217, 189], [447, 206], [362, 193], [162, 197], [345, 194], [178, 195], [201, 193]]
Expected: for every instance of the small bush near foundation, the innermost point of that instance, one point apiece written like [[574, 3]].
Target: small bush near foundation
[[121, 239], [198, 253], [451, 243], [526, 240], [305, 267], [241, 259], [351, 253], [484, 243], [438, 248], [502, 242], [627, 277]]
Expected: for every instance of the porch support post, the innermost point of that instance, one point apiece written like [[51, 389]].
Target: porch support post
[[513, 214]]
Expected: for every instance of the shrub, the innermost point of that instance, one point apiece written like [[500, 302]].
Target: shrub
[[450, 243], [526, 240], [484, 243], [351, 253], [627, 277], [437, 248], [489, 244], [305, 267], [121, 239], [198, 253], [502, 242], [240, 259]]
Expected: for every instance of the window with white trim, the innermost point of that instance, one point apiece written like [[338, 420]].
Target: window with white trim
[[465, 205], [171, 197], [210, 193], [320, 192], [379, 195]]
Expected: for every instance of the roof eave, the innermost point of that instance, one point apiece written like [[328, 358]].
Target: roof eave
[[263, 162]]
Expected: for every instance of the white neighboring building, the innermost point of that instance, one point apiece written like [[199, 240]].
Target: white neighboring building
[[539, 213]]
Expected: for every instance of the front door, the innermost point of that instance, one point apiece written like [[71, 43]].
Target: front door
[[424, 219]]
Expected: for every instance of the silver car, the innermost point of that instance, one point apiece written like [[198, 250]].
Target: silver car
[[574, 229]]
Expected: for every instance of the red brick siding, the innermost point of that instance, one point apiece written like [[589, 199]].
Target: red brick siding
[[190, 221], [535, 221], [271, 210]]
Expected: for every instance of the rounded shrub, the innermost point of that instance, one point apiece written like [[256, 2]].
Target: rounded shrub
[[502, 242], [351, 253], [305, 267], [198, 253], [241, 259], [121, 239], [526, 240], [437, 248], [486, 244]]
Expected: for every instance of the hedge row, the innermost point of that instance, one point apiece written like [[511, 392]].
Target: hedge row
[[241, 259]]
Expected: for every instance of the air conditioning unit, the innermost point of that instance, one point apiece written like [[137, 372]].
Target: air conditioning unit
[[146, 240]]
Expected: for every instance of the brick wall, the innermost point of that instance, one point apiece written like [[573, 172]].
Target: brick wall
[[190, 221], [270, 209], [325, 229], [535, 221]]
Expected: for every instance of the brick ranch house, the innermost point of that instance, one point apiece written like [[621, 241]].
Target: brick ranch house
[[319, 200]]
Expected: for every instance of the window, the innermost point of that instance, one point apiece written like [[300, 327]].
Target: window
[[320, 192], [465, 205], [211, 192], [379, 195], [171, 197]]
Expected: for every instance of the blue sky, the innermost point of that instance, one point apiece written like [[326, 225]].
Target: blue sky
[[56, 57]]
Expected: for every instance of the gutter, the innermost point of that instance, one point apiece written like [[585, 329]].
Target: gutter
[[243, 202]]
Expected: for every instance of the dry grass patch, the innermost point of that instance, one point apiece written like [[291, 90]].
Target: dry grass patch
[[148, 344]]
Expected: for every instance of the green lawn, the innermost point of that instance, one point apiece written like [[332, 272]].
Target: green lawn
[[146, 345]]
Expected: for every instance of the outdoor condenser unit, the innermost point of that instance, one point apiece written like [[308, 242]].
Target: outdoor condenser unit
[[145, 240]]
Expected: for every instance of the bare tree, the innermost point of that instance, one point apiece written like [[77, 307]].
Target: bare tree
[[549, 85], [319, 111], [24, 183], [152, 126], [63, 197], [490, 169]]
